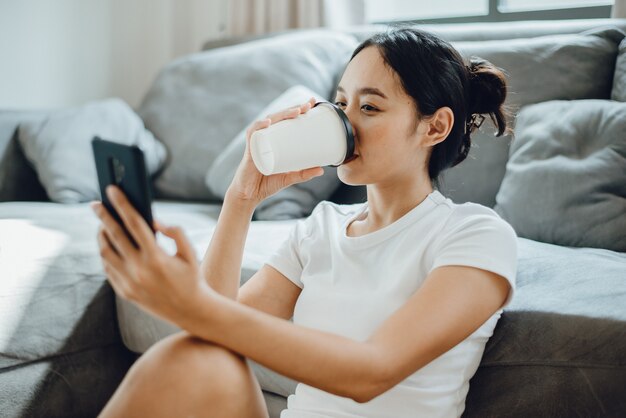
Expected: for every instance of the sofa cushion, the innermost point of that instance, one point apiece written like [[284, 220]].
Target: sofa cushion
[[563, 337], [619, 81], [55, 298], [578, 66], [59, 146], [61, 353], [295, 201], [200, 102], [575, 66], [565, 181]]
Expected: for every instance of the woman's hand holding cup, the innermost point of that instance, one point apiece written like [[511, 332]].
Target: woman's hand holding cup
[[249, 184]]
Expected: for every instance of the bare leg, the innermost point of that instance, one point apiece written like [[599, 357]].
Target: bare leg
[[183, 376]]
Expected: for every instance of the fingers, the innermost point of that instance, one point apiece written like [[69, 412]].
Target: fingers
[[288, 113], [118, 282], [259, 124], [183, 246], [112, 265], [305, 107], [135, 224], [308, 105], [303, 175], [116, 234], [108, 252], [293, 112]]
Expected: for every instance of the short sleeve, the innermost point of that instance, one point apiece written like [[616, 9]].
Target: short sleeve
[[481, 240], [286, 259]]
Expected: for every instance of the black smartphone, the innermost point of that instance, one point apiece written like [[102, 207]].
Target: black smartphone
[[123, 166]]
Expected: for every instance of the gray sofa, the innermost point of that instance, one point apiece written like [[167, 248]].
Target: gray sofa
[[559, 349]]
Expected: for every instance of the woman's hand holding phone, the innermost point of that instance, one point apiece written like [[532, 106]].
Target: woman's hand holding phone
[[249, 184], [172, 286], [166, 285]]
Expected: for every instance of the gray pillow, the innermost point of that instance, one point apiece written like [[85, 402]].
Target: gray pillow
[[619, 80], [293, 202], [565, 181], [200, 102], [59, 146], [555, 67]]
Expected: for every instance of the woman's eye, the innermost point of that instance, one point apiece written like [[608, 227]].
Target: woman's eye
[[366, 108]]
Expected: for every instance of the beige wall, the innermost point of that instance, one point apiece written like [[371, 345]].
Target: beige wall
[[65, 52]]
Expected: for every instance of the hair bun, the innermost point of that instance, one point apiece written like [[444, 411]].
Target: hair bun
[[487, 91]]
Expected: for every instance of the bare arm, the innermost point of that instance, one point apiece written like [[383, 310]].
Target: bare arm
[[271, 292], [453, 302], [221, 265]]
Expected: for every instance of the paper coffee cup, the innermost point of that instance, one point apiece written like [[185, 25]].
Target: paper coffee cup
[[322, 136]]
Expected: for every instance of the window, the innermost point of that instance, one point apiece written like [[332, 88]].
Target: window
[[451, 11], [525, 5], [388, 10]]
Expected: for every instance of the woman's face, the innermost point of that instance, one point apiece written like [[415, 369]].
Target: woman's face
[[384, 118]]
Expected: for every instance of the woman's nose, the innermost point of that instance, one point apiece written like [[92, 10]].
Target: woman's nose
[[351, 115]]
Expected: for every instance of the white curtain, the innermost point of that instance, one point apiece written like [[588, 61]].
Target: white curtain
[[255, 17], [619, 9]]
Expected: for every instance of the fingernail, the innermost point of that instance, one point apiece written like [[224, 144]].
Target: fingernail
[[110, 192]]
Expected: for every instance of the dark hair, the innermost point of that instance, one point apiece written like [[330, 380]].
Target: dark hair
[[435, 75]]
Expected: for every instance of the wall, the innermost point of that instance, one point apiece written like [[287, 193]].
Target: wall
[[62, 53]]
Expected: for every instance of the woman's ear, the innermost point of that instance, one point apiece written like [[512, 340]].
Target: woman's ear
[[438, 126]]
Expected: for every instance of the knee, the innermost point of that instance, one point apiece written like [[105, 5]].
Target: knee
[[189, 360]]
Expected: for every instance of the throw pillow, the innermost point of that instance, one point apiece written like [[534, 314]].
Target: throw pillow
[[554, 67], [296, 201], [199, 102], [619, 79], [59, 146], [565, 181]]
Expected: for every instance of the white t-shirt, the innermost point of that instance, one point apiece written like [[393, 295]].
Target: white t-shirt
[[351, 285]]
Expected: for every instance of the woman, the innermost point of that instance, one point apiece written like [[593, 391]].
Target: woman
[[393, 300]]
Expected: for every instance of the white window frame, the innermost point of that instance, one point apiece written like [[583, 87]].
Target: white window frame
[[497, 14]]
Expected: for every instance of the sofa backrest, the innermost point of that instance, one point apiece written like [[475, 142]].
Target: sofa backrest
[[554, 67], [476, 179], [461, 31], [494, 31], [479, 177]]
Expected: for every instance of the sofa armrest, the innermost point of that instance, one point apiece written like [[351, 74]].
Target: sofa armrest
[[18, 179]]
